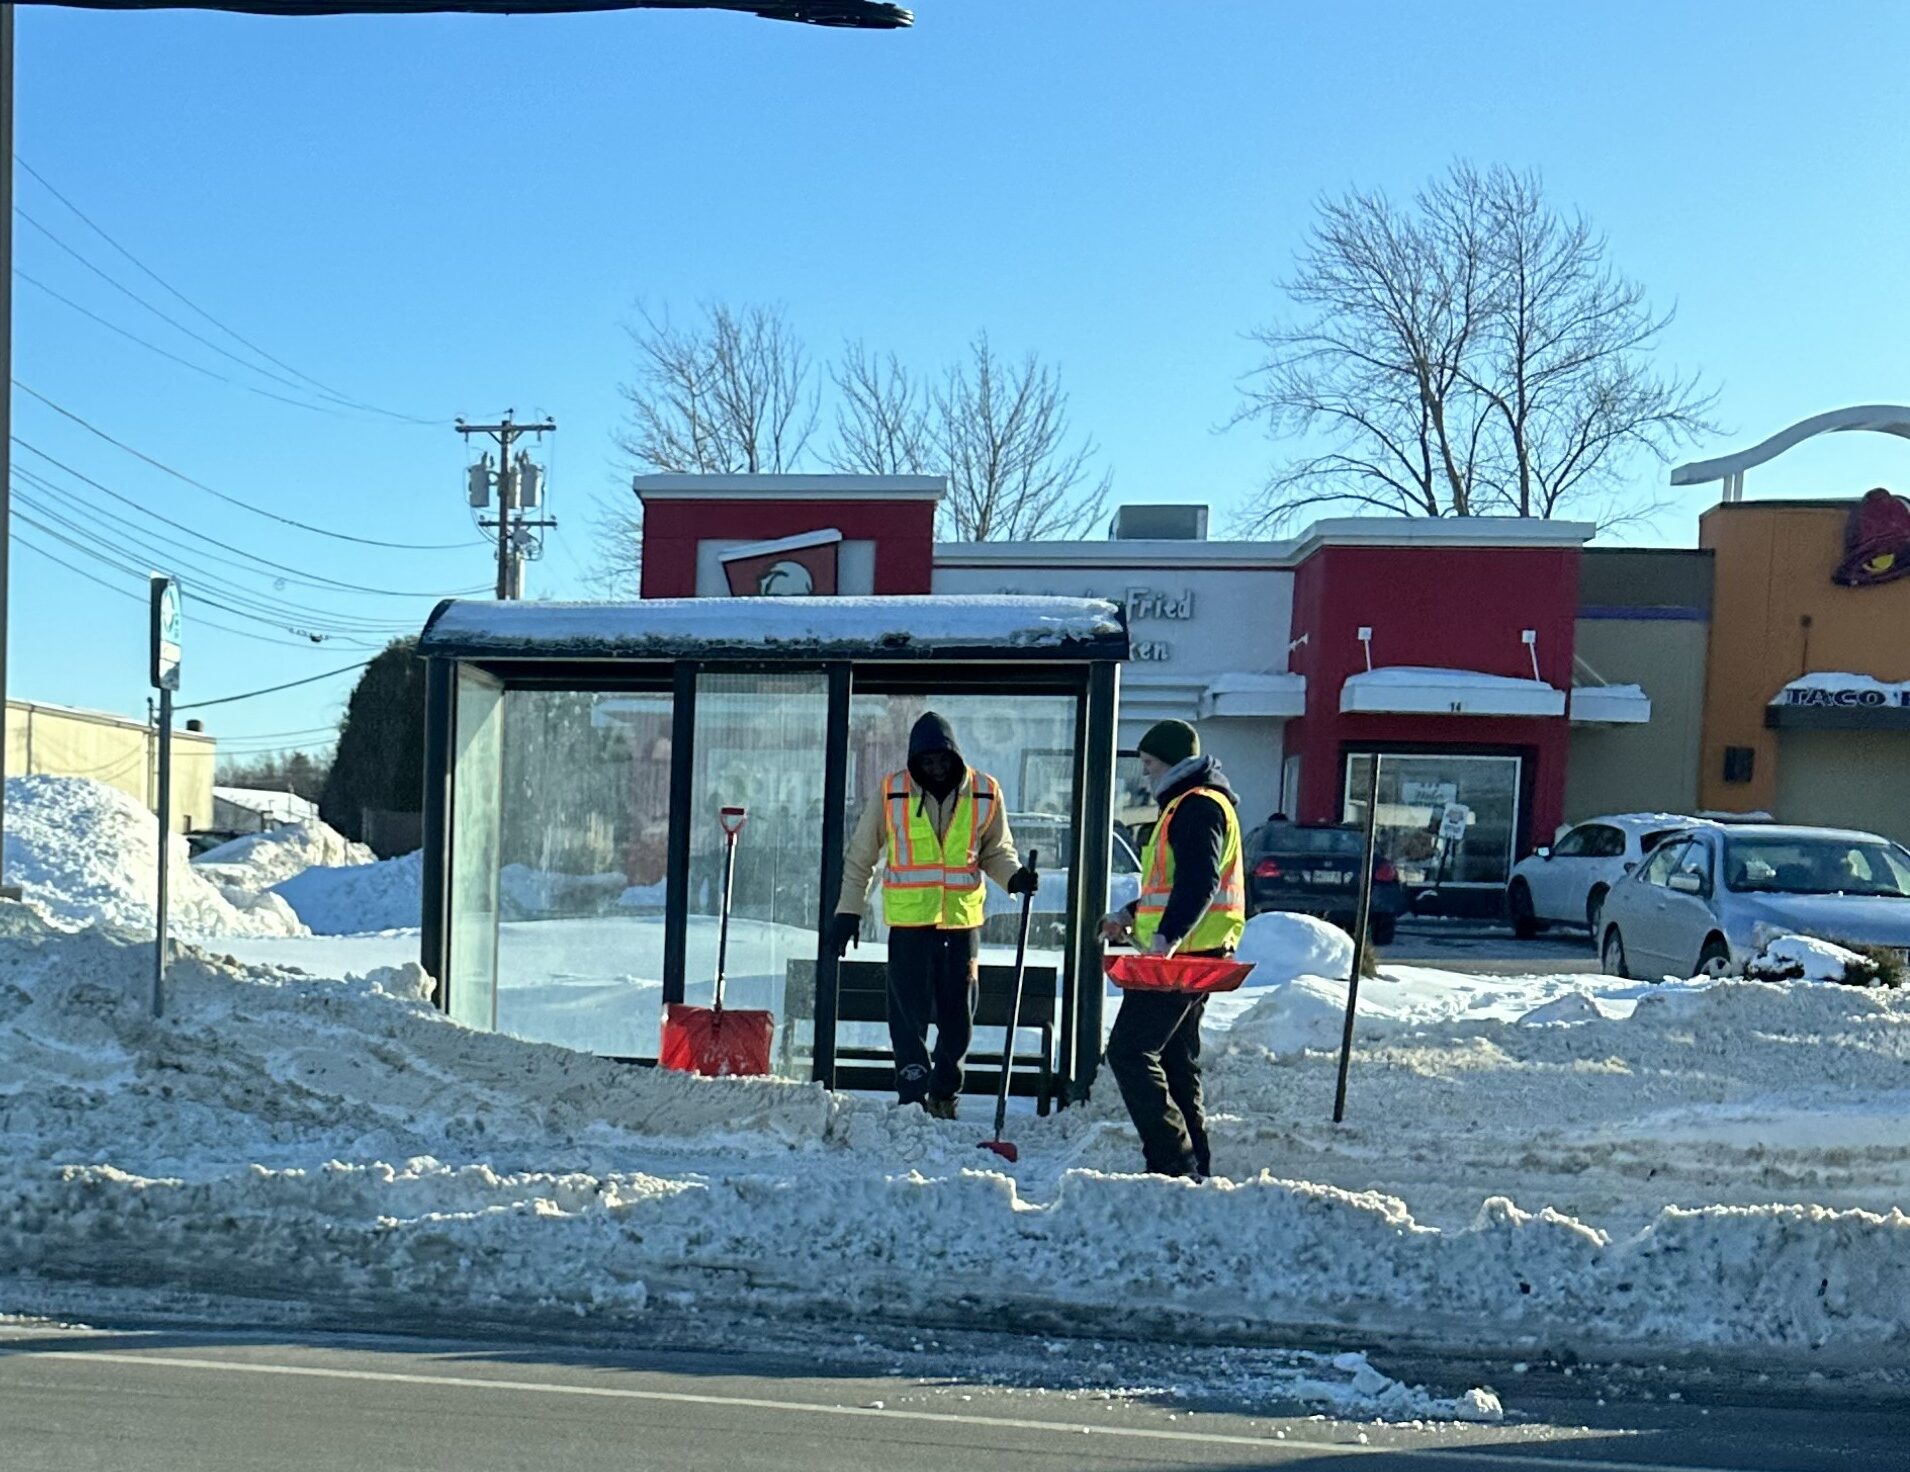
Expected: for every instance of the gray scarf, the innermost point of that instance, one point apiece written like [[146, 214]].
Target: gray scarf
[[1179, 772]]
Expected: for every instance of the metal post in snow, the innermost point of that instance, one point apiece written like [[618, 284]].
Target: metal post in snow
[[1361, 918], [165, 635], [162, 937]]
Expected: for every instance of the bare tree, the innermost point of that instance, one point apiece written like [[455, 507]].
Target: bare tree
[[1564, 357], [1470, 353], [1000, 432], [882, 416], [733, 394]]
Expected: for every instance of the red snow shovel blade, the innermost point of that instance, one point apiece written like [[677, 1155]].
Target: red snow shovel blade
[[1176, 973], [717, 1042], [1005, 1149]]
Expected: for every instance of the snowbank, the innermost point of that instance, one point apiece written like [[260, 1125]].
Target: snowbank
[[343, 1145], [258, 861], [87, 854], [1805, 958], [1282, 946], [358, 898]]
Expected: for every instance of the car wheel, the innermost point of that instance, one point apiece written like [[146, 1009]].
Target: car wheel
[[1715, 959], [1595, 908], [1518, 904], [1612, 955], [1383, 928]]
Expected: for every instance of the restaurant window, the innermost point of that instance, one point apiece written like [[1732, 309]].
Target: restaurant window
[[1415, 791]]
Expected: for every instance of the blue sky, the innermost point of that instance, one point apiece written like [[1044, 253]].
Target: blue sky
[[453, 215]]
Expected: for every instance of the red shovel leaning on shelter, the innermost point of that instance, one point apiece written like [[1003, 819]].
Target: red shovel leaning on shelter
[[710, 1040]]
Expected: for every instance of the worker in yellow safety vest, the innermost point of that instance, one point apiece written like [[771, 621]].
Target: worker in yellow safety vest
[[932, 830], [1193, 902]]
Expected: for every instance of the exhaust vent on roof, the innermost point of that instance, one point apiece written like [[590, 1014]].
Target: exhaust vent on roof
[[1159, 524]]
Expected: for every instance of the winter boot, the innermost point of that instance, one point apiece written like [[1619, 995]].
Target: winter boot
[[941, 1108]]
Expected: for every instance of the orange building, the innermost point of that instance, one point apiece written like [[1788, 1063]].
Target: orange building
[[1807, 687]]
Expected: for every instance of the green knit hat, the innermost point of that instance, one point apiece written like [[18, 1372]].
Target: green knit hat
[[1171, 741]]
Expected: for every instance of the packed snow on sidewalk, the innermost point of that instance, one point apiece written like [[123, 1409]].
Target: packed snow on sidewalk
[[84, 853], [1720, 1170]]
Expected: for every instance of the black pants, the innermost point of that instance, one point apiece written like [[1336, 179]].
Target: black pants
[[933, 977], [1154, 1055]]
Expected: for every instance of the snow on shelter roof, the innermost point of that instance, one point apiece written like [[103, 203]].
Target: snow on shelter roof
[[883, 628]]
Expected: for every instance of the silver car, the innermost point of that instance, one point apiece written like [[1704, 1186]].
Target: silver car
[[1709, 901]]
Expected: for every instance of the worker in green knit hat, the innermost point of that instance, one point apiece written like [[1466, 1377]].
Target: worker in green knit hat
[[1193, 902]]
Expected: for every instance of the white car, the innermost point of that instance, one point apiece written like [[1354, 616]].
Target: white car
[[1565, 883]]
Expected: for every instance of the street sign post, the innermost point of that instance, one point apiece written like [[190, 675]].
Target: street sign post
[[166, 635]]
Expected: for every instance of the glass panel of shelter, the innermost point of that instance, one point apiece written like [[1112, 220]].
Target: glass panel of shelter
[[761, 743], [477, 735], [1028, 742], [581, 859]]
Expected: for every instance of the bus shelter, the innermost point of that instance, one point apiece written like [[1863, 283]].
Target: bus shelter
[[578, 756]]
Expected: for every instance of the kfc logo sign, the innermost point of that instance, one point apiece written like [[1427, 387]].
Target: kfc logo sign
[[793, 567]]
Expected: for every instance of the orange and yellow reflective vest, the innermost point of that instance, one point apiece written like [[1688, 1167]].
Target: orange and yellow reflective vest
[[930, 879], [1220, 928]]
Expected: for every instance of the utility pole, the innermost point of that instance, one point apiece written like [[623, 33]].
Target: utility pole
[[7, 891], [517, 484]]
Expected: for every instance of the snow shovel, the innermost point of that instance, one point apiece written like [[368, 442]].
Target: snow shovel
[[709, 1040], [1005, 1148], [1188, 975]]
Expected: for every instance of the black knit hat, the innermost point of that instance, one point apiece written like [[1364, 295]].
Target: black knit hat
[[1171, 741]]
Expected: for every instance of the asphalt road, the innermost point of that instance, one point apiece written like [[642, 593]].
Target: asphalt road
[[1488, 949], [205, 1402]]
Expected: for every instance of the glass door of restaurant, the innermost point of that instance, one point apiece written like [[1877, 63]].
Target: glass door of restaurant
[[1417, 791]]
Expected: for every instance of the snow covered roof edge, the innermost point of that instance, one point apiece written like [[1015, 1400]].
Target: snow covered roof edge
[[881, 628]]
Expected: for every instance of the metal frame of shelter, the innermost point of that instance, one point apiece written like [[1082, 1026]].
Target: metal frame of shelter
[[661, 646]]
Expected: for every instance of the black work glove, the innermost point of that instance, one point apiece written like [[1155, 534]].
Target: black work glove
[[1024, 881], [843, 928]]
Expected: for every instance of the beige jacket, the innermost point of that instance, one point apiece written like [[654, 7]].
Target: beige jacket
[[995, 848]]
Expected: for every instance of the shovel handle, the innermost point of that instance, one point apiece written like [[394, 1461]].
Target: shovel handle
[[1014, 1007]]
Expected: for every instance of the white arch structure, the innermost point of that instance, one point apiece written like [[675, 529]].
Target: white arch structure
[[1878, 418]]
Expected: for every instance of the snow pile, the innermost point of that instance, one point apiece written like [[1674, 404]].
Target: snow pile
[[1805, 958], [258, 861], [87, 854], [355, 899], [1280, 947], [527, 893], [343, 1145]]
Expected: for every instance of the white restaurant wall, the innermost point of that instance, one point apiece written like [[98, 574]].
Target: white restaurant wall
[[1239, 622]]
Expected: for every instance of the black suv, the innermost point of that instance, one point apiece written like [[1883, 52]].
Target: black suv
[[1313, 869]]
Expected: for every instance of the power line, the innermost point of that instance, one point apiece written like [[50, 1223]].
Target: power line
[[274, 689], [131, 295], [348, 635], [180, 296], [144, 600], [180, 475], [274, 607], [133, 559], [154, 347], [289, 573], [252, 736]]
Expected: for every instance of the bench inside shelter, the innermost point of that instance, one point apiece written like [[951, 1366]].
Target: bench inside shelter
[[862, 996]]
